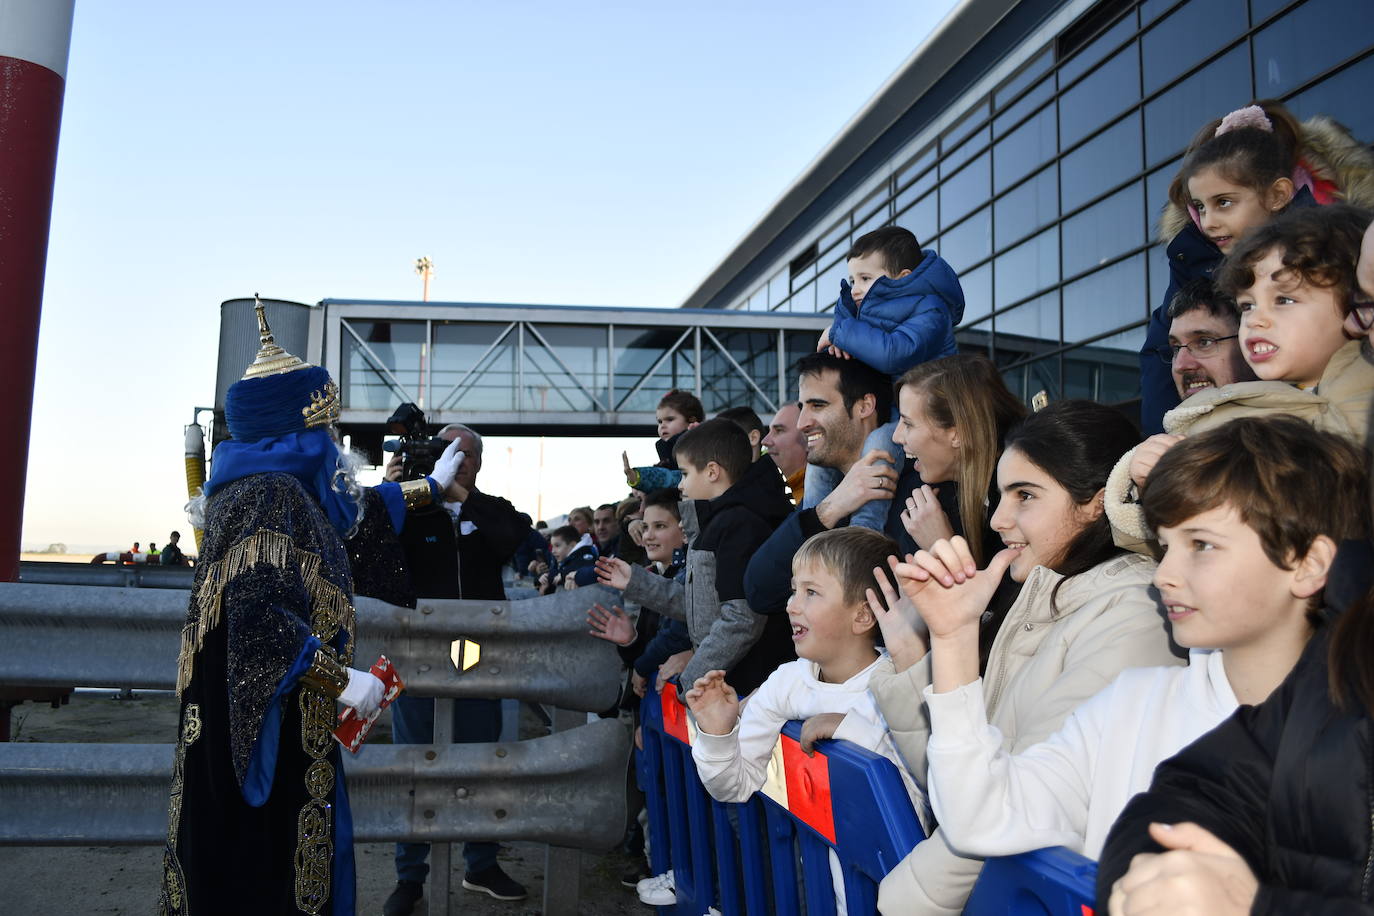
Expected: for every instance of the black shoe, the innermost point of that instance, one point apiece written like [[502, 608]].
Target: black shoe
[[494, 882], [635, 875], [403, 899]]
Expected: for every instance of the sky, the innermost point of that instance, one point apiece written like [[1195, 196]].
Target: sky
[[606, 153]]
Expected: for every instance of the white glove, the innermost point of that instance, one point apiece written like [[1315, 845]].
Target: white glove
[[446, 468], [364, 692]]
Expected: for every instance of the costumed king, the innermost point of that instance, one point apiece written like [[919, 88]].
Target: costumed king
[[259, 820]]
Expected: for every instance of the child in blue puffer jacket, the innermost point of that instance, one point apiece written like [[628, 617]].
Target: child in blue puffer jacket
[[898, 309]]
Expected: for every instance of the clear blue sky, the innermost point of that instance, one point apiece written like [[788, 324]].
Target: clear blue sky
[[601, 154]]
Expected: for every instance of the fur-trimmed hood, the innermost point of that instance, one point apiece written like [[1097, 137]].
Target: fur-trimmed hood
[[1329, 154]]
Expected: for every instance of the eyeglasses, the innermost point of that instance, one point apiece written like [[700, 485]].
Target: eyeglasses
[[1202, 348]]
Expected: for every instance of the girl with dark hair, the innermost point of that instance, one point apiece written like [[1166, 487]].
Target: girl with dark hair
[[1084, 614], [1239, 172]]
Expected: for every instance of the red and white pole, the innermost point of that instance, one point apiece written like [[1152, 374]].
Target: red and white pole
[[34, 39]]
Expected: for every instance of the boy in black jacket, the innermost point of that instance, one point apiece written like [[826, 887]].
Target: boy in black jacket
[[731, 506]]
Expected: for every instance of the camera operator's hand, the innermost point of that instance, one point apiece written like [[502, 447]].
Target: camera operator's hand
[[393, 469], [446, 469]]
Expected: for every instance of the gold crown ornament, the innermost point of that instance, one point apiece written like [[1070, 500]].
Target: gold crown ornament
[[272, 359], [324, 406]]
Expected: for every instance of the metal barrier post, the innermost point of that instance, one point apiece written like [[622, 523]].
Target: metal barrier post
[[563, 866], [441, 854]]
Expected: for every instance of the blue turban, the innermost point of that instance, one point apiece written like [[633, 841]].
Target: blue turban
[[269, 435]]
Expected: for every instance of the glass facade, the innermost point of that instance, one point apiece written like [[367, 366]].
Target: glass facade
[[1044, 191]]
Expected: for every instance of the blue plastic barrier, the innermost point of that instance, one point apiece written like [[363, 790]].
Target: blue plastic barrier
[[765, 854], [1046, 881]]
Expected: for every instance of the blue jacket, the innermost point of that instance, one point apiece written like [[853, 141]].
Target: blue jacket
[[902, 323]]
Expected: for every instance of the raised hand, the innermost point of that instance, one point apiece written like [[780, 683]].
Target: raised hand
[[1198, 874], [946, 586], [924, 519], [714, 704], [613, 571], [904, 632], [614, 626]]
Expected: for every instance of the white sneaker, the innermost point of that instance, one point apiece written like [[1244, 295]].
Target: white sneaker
[[712, 911], [658, 890]]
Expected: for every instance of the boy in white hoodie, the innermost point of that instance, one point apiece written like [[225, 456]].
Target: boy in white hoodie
[[1250, 515], [836, 637]]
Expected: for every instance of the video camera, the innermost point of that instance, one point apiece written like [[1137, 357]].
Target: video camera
[[418, 449]]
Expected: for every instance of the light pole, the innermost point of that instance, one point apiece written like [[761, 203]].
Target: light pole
[[425, 268]]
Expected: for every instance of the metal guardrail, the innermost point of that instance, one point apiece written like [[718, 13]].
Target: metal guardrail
[[38, 572], [536, 650], [566, 789]]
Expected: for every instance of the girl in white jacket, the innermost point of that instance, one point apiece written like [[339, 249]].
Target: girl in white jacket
[[1245, 515], [1084, 614]]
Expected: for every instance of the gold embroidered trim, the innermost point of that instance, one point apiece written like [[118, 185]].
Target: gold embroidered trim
[[315, 823], [326, 675], [173, 881], [330, 608]]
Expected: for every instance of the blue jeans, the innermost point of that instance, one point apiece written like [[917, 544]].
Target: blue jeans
[[412, 722], [820, 481]]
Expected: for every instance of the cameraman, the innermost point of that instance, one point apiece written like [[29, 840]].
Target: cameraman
[[455, 551]]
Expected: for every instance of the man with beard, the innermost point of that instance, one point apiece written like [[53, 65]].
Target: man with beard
[[1204, 347], [259, 819], [842, 401]]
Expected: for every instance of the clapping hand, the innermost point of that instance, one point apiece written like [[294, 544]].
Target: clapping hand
[[924, 519], [904, 632], [946, 586], [714, 703]]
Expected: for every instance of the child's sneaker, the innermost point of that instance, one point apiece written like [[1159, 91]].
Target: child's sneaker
[[658, 890]]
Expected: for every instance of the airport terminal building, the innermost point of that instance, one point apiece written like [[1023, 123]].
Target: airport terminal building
[[1031, 144]]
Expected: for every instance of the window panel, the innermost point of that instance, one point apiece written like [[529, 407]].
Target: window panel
[[1158, 262], [1027, 380], [1344, 97], [1173, 118], [1106, 300], [1027, 268], [1032, 100], [974, 144], [1029, 207], [839, 233], [920, 186], [1157, 186], [1190, 33], [1030, 328], [1261, 10], [920, 219], [1108, 159], [977, 286], [1023, 79], [1112, 88], [916, 166], [777, 289], [1024, 150], [964, 191], [874, 220], [1097, 49], [969, 242], [1150, 10], [1104, 230], [966, 124], [804, 299], [828, 284], [1307, 41], [1106, 370]]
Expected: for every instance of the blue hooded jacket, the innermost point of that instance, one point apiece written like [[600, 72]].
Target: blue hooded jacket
[[902, 323]]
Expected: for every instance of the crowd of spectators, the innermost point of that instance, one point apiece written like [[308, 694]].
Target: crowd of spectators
[[1142, 636]]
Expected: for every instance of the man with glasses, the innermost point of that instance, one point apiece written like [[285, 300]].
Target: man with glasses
[[1204, 351]]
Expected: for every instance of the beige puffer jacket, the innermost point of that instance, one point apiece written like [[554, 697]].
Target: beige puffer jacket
[[1041, 667], [1339, 404]]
